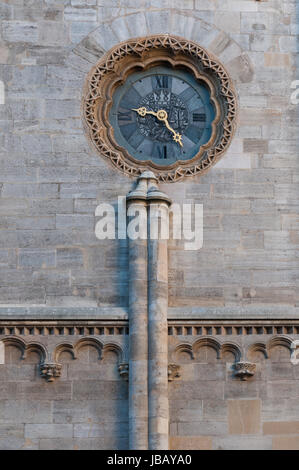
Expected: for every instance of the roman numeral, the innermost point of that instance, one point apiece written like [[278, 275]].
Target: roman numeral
[[198, 117], [160, 81], [124, 115], [161, 151]]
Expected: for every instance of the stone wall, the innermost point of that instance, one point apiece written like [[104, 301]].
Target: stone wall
[[85, 407], [211, 407], [60, 287], [52, 180]]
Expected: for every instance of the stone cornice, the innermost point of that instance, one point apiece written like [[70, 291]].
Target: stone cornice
[[245, 314]]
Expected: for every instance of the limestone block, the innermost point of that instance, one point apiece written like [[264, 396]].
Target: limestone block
[[22, 411], [280, 409], [61, 109], [121, 29], [37, 258], [10, 430], [228, 20], [212, 389], [281, 427], [285, 443], [79, 30], [40, 390], [215, 410], [69, 257], [282, 389], [158, 22], [74, 143], [190, 442], [137, 24], [14, 174], [30, 190], [195, 428], [89, 50], [80, 190], [242, 443], [255, 222], [73, 13], [183, 25], [240, 68], [20, 31], [96, 389], [279, 240], [100, 430], [15, 443], [244, 416], [105, 37], [277, 59], [36, 143], [53, 33], [244, 190], [48, 430]]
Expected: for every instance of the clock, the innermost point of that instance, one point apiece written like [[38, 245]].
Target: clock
[[162, 115], [159, 103]]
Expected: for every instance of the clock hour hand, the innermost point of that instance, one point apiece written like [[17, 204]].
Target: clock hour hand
[[143, 111]]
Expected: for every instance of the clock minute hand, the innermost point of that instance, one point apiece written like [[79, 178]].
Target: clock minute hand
[[162, 116]]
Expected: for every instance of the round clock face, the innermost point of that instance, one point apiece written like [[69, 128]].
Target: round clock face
[[162, 115]]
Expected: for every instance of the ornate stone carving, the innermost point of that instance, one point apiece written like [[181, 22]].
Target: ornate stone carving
[[123, 369], [50, 370], [141, 53], [174, 372], [244, 370], [295, 352]]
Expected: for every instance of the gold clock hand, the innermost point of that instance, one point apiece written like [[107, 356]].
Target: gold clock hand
[[162, 116], [143, 111]]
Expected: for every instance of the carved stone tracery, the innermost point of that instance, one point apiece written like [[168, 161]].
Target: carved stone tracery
[[174, 372], [50, 371], [138, 54], [244, 370]]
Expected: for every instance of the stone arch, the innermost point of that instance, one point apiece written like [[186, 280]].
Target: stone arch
[[19, 345], [64, 348], [114, 349], [279, 348], [232, 349], [183, 352], [185, 24], [207, 344], [36, 349], [92, 343], [257, 352]]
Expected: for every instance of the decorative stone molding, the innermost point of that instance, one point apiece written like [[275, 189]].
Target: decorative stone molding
[[144, 52], [244, 370], [123, 369], [227, 328], [174, 372], [50, 370], [295, 352], [64, 328]]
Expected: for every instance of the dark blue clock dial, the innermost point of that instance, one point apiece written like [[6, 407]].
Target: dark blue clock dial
[[189, 109]]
